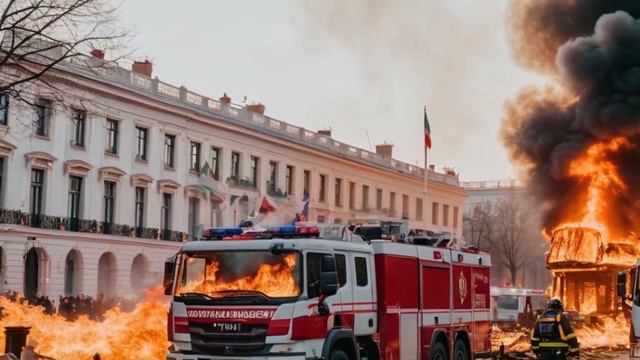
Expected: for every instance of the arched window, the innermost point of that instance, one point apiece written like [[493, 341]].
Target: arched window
[[107, 271]]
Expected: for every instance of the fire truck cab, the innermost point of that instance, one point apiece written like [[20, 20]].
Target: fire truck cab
[[286, 293]]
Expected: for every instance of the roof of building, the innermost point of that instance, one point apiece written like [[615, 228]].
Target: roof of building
[[240, 115]]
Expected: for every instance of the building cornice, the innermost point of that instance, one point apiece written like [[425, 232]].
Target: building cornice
[[111, 173], [40, 159], [6, 148], [77, 167]]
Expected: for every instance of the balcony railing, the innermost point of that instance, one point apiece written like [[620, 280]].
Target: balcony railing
[[234, 181], [17, 217]]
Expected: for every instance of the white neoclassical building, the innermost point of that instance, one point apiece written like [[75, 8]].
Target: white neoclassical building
[[100, 185]]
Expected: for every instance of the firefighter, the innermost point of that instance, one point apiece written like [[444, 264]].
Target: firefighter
[[552, 337]]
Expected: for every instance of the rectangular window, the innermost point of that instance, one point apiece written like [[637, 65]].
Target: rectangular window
[[378, 199], [215, 163], [109, 201], [255, 162], [169, 150], [362, 278], [392, 203], [445, 215], [365, 197], [141, 148], [405, 206], [4, 109], [434, 213], [272, 185], [314, 265], [194, 205], [322, 196], [341, 268], [195, 157], [322, 219], [1, 178], [289, 180], [352, 195], [306, 182], [338, 192], [79, 121], [112, 136], [139, 210], [165, 216], [235, 166], [455, 217], [419, 209], [37, 187], [43, 117], [75, 195]]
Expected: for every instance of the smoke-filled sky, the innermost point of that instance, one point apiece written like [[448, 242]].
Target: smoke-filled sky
[[359, 66], [578, 138]]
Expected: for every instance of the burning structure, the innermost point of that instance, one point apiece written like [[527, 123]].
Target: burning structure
[[577, 140]]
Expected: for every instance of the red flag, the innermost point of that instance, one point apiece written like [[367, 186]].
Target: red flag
[[265, 206], [427, 130]]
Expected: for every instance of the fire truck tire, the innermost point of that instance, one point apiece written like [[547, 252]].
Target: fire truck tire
[[460, 351], [438, 352], [338, 355]]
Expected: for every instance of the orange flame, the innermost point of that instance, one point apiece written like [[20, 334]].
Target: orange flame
[[587, 253], [274, 280], [608, 333], [603, 178], [139, 334]]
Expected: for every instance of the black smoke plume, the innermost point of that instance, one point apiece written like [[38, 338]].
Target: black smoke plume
[[592, 51]]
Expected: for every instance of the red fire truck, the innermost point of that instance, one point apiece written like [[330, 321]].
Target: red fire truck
[[287, 293]]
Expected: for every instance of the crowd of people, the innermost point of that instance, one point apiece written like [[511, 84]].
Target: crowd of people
[[72, 307]]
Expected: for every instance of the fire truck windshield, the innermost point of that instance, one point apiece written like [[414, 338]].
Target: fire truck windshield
[[225, 274]]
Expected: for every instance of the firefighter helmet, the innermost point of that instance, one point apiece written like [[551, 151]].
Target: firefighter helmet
[[555, 303]]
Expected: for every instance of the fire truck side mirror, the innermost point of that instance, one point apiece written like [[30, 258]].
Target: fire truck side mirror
[[328, 276], [622, 285], [167, 282]]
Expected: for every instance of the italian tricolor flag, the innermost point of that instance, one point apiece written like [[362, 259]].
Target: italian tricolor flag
[[427, 130]]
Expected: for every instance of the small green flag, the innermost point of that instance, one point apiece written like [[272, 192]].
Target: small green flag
[[205, 169]]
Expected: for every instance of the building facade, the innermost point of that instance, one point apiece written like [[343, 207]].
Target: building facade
[[99, 186], [484, 196]]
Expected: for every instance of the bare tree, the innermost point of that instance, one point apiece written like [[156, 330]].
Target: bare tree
[[39, 35], [515, 237], [478, 225]]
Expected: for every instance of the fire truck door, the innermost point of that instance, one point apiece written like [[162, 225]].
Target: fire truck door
[[364, 316], [346, 281]]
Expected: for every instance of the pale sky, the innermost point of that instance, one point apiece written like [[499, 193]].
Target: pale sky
[[359, 67]]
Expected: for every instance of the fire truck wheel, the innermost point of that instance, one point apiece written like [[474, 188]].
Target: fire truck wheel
[[438, 352], [338, 355], [460, 351]]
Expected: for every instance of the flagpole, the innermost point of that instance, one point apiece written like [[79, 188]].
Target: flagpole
[[426, 176], [426, 169]]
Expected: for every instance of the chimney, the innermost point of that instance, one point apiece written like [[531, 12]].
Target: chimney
[[325, 132], [97, 53], [385, 150], [256, 108], [142, 67], [225, 99]]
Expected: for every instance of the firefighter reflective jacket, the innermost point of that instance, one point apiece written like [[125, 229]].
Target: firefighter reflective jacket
[[553, 331]]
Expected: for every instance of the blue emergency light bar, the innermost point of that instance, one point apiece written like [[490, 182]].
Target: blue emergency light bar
[[268, 232]]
